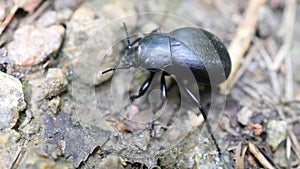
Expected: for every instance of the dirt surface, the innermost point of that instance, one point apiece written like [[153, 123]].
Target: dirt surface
[[59, 111]]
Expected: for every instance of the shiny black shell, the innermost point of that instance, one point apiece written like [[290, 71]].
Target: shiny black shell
[[193, 49]]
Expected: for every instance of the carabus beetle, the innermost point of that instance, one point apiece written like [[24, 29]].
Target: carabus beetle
[[195, 49]]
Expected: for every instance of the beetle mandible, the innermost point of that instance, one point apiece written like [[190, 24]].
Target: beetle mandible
[[195, 49]]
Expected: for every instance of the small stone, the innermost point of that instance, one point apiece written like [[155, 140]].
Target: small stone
[[55, 83], [244, 115], [276, 133], [55, 17], [11, 100], [48, 18], [53, 105], [32, 44], [63, 4], [111, 162]]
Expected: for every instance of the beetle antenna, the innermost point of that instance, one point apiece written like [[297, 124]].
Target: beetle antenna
[[114, 69], [108, 70], [127, 36]]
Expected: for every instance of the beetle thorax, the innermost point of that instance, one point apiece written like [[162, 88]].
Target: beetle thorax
[[154, 52]]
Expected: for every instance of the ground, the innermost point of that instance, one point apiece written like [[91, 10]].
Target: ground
[[57, 109]]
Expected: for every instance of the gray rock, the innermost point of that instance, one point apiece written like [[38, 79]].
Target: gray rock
[[195, 153], [11, 100], [9, 147], [55, 83], [94, 28], [32, 44], [244, 115], [276, 133], [75, 140]]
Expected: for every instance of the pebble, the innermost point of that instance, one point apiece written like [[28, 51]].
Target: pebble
[[11, 100], [244, 115], [55, 83], [276, 133], [55, 17], [33, 44], [63, 4]]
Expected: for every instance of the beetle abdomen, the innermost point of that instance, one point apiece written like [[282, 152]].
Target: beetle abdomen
[[202, 52]]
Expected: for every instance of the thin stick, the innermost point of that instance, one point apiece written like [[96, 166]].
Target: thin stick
[[289, 81], [259, 156], [244, 34], [243, 68], [9, 18], [37, 13], [16, 157], [209, 129], [288, 28], [293, 120], [273, 75], [240, 155], [296, 145]]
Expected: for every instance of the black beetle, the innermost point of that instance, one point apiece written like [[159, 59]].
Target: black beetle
[[195, 49]]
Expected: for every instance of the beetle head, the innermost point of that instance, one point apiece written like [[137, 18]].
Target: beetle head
[[131, 55]]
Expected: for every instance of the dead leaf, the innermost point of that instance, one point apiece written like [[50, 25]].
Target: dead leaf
[[256, 128]]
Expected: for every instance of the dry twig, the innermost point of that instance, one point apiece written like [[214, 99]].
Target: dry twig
[[36, 14], [243, 68], [295, 143], [289, 81], [240, 155], [273, 75], [288, 22], [259, 156], [9, 18], [293, 120], [244, 34]]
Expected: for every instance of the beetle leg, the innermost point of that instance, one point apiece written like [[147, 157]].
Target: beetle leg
[[163, 88], [143, 88], [163, 97], [204, 114], [196, 101]]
